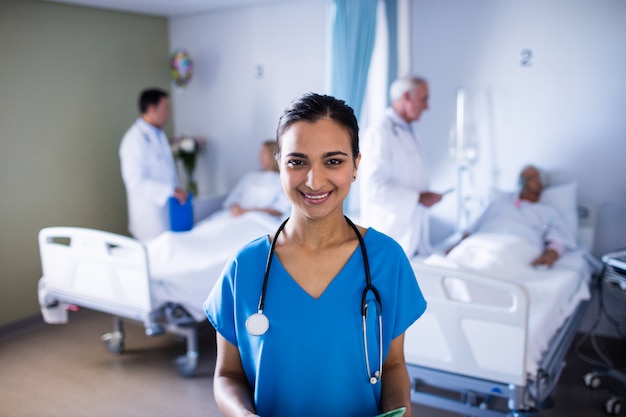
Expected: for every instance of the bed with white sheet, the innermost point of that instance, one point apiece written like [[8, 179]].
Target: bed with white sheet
[[493, 339], [161, 284]]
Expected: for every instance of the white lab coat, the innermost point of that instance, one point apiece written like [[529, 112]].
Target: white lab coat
[[392, 174], [149, 175]]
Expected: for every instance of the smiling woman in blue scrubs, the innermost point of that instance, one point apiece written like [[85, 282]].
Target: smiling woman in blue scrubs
[[310, 322]]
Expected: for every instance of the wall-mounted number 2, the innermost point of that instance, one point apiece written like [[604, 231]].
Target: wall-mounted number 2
[[527, 56]]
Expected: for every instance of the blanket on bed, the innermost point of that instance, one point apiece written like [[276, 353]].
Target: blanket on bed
[[184, 266], [553, 293]]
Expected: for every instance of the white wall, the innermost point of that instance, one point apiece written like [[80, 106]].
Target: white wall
[[68, 92], [565, 112], [226, 100]]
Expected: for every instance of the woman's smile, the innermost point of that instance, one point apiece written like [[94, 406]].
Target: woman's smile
[[316, 198]]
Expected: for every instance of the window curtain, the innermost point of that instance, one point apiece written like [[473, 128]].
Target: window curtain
[[353, 33]]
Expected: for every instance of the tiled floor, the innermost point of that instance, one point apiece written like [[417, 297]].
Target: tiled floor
[[65, 371]]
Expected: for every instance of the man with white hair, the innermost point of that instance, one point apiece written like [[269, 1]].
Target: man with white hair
[[393, 172]]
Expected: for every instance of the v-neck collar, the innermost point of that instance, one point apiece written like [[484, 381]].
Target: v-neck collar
[[337, 281]]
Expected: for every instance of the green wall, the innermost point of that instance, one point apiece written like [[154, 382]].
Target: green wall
[[69, 81]]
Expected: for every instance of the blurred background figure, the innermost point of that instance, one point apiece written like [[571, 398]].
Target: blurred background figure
[[148, 168], [260, 190], [393, 176]]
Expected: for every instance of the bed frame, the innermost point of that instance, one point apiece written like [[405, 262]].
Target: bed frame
[[110, 273], [471, 386], [464, 381]]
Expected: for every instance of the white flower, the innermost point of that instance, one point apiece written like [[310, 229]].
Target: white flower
[[188, 145]]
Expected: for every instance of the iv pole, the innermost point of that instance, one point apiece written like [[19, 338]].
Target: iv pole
[[459, 154]]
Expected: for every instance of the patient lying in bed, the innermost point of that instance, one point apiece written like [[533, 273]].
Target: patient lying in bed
[[513, 235], [516, 231]]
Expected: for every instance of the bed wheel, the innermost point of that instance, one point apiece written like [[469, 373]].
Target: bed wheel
[[187, 364], [592, 380], [613, 406], [114, 342]]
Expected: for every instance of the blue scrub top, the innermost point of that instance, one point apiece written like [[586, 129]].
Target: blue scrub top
[[311, 361]]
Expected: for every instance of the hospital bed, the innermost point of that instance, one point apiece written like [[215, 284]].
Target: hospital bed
[[493, 342], [161, 284]]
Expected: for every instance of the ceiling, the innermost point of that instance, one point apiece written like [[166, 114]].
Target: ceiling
[[166, 8]]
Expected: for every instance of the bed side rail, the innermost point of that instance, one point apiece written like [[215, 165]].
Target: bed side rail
[[95, 269], [469, 317]]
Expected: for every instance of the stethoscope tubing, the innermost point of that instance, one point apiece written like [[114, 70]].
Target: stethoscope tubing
[[268, 264], [373, 378]]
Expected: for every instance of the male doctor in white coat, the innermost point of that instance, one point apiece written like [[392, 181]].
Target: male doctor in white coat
[[394, 195], [148, 168]]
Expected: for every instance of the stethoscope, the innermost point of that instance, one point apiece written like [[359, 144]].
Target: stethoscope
[[258, 323], [394, 126]]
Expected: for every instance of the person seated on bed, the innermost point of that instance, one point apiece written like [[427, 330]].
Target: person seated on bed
[[261, 190], [527, 217]]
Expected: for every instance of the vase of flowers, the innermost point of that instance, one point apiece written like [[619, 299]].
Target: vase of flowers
[[186, 148]]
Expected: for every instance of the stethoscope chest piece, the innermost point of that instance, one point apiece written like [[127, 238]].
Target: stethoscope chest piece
[[257, 324]]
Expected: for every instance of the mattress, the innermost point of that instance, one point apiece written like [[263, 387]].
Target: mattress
[[488, 280]]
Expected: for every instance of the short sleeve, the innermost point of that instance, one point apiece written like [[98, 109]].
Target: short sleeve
[[219, 306], [392, 273], [411, 303]]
